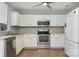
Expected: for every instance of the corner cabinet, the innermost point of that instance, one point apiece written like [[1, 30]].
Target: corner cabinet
[[3, 13], [14, 18]]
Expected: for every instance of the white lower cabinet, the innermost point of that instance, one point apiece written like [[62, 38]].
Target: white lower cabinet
[[25, 41], [30, 41], [57, 41], [19, 44]]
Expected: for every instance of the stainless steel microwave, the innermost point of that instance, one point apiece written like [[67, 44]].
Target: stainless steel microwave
[[43, 23]]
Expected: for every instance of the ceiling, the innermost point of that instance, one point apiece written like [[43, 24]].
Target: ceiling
[[57, 7]]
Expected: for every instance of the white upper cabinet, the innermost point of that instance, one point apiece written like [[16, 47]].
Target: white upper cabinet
[[43, 17], [28, 20], [59, 20], [14, 18], [52, 21], [31, 20], [3, 13]]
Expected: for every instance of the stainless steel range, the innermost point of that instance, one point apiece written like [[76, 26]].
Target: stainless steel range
[[43, 34], [43, 38]]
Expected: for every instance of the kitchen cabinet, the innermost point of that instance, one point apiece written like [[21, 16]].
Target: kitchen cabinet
[[31, 20], [19, 43], [52, 21], [3, 13], [30, 41], [43, 17], [2, 42], [55, 20], [28, 20], [59, 20], [15, 18], [57, 41]]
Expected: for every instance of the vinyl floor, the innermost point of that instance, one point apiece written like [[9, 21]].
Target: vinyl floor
[[42, 53]]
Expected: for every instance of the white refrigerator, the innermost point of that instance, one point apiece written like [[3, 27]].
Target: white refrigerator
[[72, 34]]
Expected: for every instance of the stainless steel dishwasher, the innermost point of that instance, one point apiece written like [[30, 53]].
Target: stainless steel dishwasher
[[10, 44]]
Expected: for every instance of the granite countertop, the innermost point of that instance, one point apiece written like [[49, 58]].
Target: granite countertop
[[5, 36]]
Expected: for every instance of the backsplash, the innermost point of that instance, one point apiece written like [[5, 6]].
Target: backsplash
[[14, 30], [35, 29], [57, 30]]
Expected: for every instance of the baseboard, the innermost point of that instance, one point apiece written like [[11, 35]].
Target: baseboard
[[56, 48], [30, 48]]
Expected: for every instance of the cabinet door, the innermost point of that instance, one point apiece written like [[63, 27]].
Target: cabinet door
[[35, 40], [40, 17], [3, 13], [14, 18], [22, 41], [57, 41], [31, 41], [18, 44], [52, 20], [28, 20], [51, 40], [59, 20]]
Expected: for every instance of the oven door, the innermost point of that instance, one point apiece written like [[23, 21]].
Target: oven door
[[43, 38]]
